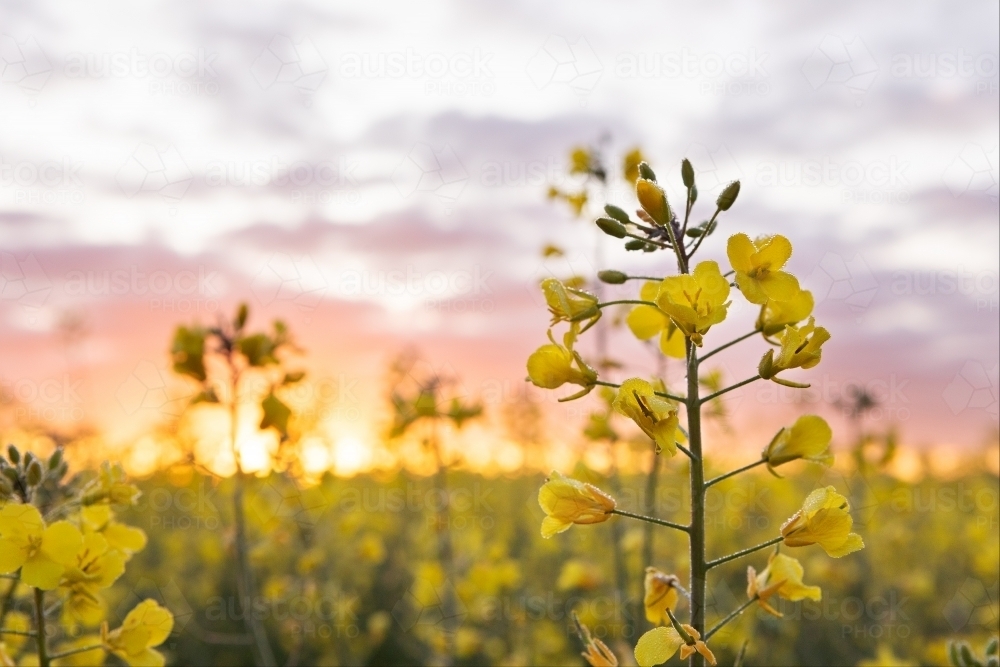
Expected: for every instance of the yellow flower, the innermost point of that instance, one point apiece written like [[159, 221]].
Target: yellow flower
[[775, 315], [551, 366], [597, 653], [659, 645], [95, 567], [15, 620], [885, 657], [808, 438], [41, 552], [824, 520], [758, 267], [655, 415], [578, 574], [653, 201], [110, 486], [568, 304], [801, 347], [122, 538], [647, 321], [567, 501], [695, 301], [148, 625], [781, 577], [580, 161], [630, 165], [661, 595]]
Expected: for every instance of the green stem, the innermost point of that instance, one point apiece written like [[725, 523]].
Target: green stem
[[701, 238], [729, 344], [679, 399], [699, 568], [635, 301], [74, 651], [20, 633], [43, 651], [716, 480], [743, 552], [650, 519], [652, 278], [728, 389], [643, 238], [733, 614]]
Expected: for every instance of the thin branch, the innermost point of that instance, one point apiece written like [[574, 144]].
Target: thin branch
[[634, 301], [716, 480], [744, 552], [661, 522], [686, 451], [729, 344], [74, 651], [654, 279], [643, 238], [733, 614], [728, 389], [19, 633], [701, 238]]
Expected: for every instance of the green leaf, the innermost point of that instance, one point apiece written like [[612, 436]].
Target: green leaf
[[258, 349], [188, 352], [276, 415]]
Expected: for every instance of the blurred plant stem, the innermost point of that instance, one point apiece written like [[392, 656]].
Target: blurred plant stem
[[43, 649], [699, 567], [245, 584]]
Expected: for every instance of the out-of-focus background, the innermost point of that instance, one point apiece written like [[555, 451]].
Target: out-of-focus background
[[376, 176]]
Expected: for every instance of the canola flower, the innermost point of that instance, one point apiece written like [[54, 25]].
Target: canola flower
[[120, 537], [825, 520], [808, 438], [660, 644], [95, 567], [567, 501], [647, 321], [553, 365], [145, 627], [696, 301], [783, 578], [41, 552], [655, 415], [776, 315], [801, 347], [661, 594], [568, 304], [758, 267]]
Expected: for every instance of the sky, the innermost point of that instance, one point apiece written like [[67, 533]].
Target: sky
[[375, 174]]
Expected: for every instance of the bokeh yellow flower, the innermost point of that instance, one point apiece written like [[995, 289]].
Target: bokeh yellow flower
[[568, 304], [801, 347], [775, 315], [553, 365], [660, 595], [145, 627], [655, 415], [660, 644], [567, 501], [758, 267], [630, 164], [125, 539], [781, 577], [41, 552], [695, 301], [825, 520], [808, 438], [95, 567], [647, 321]]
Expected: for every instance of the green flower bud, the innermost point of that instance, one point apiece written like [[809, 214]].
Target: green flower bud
[[55, 459], [618, 214], [687, 173], [13, 454], [34, 476], [646, 172], [993, 646], [635, 244], [612, 277], [728, 196], [611, 227]]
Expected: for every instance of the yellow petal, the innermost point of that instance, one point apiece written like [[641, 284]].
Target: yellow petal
[[657, 646], [739, 249], [672, 342], [19, 522], [751, 289], [779, 286], [851, 544], [12, 555], [125, 538], [774, 253], [42, 572], [61, 541], [646, 321], [553, 526]]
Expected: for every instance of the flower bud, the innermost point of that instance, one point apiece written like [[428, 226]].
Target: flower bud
[[687, 173], [645, 171], [728, 196], [612, 277], [635, 244], [611, 227], [13, 454], [34, 476], [617, 213], [653, 201], [55, 459]]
